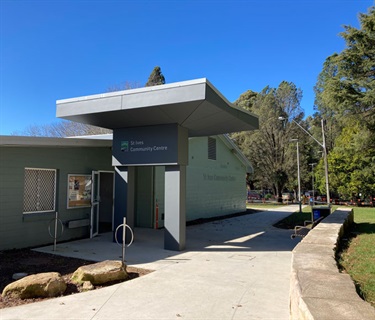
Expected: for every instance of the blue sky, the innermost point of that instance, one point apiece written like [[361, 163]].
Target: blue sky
[[51, 50]]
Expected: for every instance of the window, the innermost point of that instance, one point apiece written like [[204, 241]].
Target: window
[[211, 148], [39, 190]]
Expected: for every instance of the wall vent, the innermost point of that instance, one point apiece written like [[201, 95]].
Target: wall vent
[[211, 148]]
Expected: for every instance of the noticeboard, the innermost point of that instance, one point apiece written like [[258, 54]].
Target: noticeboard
[[79, 190]]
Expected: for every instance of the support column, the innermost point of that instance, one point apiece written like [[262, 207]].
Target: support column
[[175, 208], [124, 199]]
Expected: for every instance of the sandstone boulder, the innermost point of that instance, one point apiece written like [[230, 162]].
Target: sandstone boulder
[[87, 286], [41, 285], [100, 273]]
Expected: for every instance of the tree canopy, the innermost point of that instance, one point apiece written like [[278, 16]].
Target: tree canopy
[[346, 86], [352, 163], [61, 129], [269, 148], [345, 98], [156, 78]]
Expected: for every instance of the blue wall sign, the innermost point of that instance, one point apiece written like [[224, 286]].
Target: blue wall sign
[[163, 145]]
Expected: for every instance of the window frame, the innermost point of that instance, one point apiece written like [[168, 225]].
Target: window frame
[[54, 193]]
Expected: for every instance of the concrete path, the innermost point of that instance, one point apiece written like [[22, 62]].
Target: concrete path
[[237, 268]]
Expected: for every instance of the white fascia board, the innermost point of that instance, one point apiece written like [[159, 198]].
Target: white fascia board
[[130, 92], [104, 136], [134, 91], [21, 141]]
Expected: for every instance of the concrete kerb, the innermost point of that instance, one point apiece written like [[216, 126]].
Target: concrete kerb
[[317, 289]]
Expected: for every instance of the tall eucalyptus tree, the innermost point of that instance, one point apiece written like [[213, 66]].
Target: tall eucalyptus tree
[[269, 148]]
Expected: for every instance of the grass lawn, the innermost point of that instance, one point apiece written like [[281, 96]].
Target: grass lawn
[[358, 259], [297, 219]]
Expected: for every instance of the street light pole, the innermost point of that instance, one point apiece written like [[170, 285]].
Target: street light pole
[[299, 178], [325, 163], [312, 181], [323, 145]]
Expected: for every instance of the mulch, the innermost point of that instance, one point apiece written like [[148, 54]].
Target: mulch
[[32, 262]]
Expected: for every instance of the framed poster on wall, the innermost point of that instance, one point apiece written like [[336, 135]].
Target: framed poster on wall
[[79, 190]]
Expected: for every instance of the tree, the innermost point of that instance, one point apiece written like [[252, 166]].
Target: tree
[[352, 163], [127, 85], [60, 129], [155, 78], [333, 126], [345, 98], [347, 83], [246, 100], [269, 148]]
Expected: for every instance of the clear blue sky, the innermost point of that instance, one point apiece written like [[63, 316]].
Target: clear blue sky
[[51, 50]]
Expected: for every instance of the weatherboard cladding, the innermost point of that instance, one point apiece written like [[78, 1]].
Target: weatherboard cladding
[[214, 187], [18, 230]]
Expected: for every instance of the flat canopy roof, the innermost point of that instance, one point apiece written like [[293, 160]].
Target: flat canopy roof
[[20, 141], [196, 105]]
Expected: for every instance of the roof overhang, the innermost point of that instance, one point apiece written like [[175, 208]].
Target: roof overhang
[[196, 105], [20, 141], [237, 152]]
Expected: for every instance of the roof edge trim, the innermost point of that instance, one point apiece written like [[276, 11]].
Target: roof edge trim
[[136, 90]]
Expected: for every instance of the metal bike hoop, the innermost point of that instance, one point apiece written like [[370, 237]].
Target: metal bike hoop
[[49, 228], [131, 231]]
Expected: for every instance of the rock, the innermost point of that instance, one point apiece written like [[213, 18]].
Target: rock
[[41, 285], [100, 273], [87, 286]]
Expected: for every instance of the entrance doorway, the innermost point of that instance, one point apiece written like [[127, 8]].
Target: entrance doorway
[[144, 197], [149, 197], [102, 204]]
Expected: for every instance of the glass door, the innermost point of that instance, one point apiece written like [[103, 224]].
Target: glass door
[[94, 227]]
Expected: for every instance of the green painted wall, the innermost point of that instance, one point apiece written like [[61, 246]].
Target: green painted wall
[[214, 187], [18, 230]]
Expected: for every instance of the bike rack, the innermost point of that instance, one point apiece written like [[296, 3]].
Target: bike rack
[[55, 237], [124, 226]]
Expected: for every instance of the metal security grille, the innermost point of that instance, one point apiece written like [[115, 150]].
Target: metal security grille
[[211, 148], [39, 190]]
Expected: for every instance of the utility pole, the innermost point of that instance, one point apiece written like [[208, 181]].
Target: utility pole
[[312, 180], [299, 178], [325, 163], [323, 145]]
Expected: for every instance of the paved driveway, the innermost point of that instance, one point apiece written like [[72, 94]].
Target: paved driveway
[[237, 268]]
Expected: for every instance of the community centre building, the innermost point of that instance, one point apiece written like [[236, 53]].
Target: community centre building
[[168, 161]]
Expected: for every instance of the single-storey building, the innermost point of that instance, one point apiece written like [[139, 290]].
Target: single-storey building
[[41, 176], [169, 161]]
